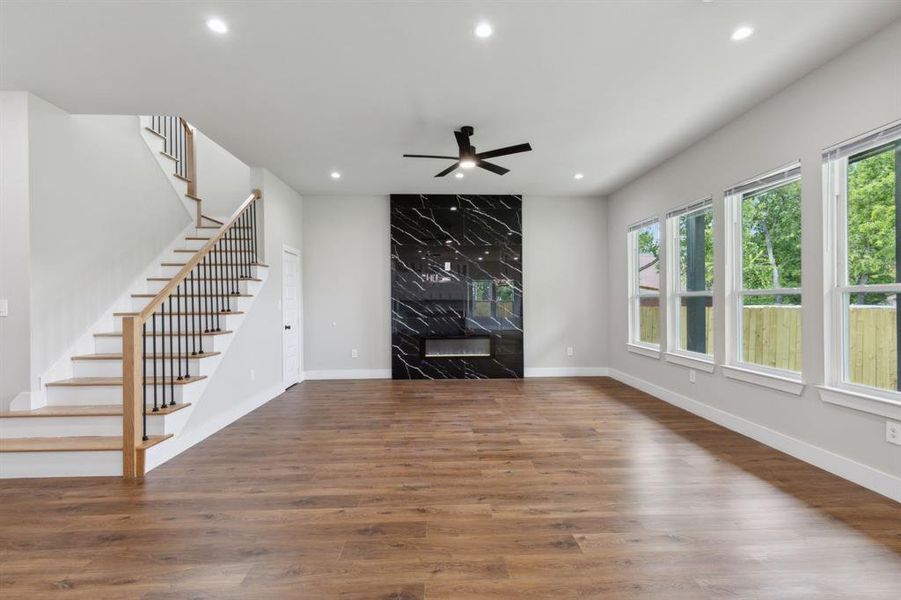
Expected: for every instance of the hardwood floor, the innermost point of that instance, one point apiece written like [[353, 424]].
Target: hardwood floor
[[555, 488]]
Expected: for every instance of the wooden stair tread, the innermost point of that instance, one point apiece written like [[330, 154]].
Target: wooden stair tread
[[117, 381], [172, 264], [73, 444], [193, 197], [92, 410], [197, 238], [167, 155], [170, 279], [225, 295], [118, 356], [182, 177], [183, 314], [188, 250], [119, 333]]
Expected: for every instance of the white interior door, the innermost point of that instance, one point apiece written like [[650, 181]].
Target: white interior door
[[291, 316]]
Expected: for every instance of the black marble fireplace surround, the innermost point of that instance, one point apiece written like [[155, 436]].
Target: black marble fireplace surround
[[456, 287]]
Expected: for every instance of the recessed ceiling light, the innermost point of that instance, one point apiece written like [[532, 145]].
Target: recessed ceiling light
[[467, 164], [459, 175], [515, 258], [336, 175], [217, 25], [578, 176], [453, 208], [480, 258], [484, 30], [742, 33]]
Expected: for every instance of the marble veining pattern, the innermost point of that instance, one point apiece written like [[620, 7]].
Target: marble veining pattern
[[456, 272]]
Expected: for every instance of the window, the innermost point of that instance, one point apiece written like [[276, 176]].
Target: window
[[492, 299], [764, 287], [689, 233], [862, 188], [644, 284]]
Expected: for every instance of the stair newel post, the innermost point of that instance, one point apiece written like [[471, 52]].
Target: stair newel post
[[189, 164], [132, 404], [162, 357], [156, 331], [245, 244], [256, 255]]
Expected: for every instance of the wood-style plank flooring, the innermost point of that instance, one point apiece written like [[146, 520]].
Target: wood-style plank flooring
[[561, 488]]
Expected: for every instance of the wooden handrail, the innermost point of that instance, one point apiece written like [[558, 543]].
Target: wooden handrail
[[134, 380], [195, 260]]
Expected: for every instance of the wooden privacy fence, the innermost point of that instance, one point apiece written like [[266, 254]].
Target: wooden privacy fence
[[772, 337]]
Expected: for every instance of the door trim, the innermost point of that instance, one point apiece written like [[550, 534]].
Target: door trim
[[300, 372]]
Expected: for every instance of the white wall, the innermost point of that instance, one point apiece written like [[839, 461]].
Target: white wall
[[15, 286], [347, 285], [223, 181], [857, 92], [101, 210], [564, 276]]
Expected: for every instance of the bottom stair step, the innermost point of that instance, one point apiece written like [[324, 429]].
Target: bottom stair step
[[87, 410], [73, 444]]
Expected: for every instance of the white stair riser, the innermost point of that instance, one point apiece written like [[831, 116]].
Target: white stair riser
[[202, 287], [113, 344], [198, 244], [25, 427], [82, 395], [60, 464], [113, 368], [227, 322], [184, 303], [255, 271]]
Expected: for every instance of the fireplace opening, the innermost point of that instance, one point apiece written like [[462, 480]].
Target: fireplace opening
[[457, 347]]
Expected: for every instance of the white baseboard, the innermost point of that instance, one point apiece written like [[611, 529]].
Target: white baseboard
[[566, 372], [348, 374], [863, 475], [161, 453]]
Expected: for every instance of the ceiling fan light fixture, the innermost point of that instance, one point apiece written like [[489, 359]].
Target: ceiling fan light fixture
[[467, 163]]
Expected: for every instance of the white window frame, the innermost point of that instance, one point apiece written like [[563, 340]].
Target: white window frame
[[838, 389], [675, 293], [635, 344], [734, 366]]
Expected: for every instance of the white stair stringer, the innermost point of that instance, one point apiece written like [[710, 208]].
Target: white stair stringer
[[84, 402]]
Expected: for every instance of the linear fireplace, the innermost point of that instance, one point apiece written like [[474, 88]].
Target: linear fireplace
[[456, 347], [456, 287]]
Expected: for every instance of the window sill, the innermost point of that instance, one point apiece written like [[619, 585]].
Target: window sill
[[691, 362], [787, 384], [868, 403], [643, 350]]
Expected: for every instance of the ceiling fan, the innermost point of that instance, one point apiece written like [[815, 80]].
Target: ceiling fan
[[469, 158]]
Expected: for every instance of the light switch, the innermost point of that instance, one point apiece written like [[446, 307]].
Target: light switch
[[4, 307]]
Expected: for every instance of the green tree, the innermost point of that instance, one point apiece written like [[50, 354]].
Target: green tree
[[771, 241], [871, 220]]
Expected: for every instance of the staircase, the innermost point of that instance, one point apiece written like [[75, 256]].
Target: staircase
[[146, 373]]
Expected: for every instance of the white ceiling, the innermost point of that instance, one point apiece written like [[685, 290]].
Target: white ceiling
[[607, 88]]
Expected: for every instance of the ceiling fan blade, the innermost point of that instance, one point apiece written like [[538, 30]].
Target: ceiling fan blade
[[492, 167], [505, 151], [463, 143], [448, 170], [429, 156]]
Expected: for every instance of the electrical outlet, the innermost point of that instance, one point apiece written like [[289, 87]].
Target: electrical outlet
[[253, 375], [893, 432], [570, 351], [691, 376], [354, 353]]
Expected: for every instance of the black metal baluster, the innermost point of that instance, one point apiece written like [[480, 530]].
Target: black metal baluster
[[161, 381], [155, 333], [144, 381], [172, 333], [178, 330], [253, 234], [233, 256], [217, 283]]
